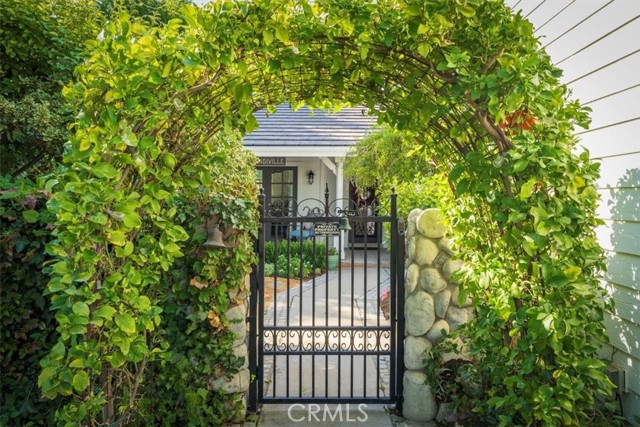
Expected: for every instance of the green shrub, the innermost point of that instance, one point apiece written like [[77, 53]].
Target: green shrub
[[313, 258], [269, 269], [27, 326]]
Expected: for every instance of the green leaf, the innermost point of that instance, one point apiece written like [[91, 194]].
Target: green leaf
[[50, 184], [282, 35], [58, 351], [116, 359], [142, 303], [138, 350], [596, 375], [78, 363], [117, 238], [124, 344], [467, 11], [169, 160], [81, 309], [30, 216], [47, 374], [517, 216], [132, 220], [364, 51], [456, 172], [166, 70], [105, 170], [267, 36], [128, 249], [61, 267], [105, 312], [80, 381], [191, 61], [155, 77], [161, 194], [547, 322], [130, 138], [527, 189], [572, 273], [252, 123], [98, 218], [126, 323], [424, 49], [77, 329], [520, 165]]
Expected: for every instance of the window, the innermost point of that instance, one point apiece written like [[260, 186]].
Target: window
[[280, 189]]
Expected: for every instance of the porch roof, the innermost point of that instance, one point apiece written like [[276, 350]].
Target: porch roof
[[305, 130]]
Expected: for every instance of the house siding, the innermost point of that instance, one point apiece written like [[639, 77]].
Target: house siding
[[597, 44]]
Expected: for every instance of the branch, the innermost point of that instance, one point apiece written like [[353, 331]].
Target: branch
[[491, 61], [208, 83], [496, 133], [35, 160]]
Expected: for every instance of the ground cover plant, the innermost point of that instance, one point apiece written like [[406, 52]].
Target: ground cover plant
[[158, 111]]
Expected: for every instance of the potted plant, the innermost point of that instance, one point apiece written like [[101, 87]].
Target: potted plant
[[334, 258]]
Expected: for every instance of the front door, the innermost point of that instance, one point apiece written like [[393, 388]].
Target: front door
[[365, 234]]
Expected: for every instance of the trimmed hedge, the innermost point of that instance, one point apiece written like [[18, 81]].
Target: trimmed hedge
[[314, 258]]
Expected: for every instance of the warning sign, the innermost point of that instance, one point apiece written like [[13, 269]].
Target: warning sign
[[326, 229]]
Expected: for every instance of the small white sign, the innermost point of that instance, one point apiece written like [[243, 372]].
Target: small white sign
[[326, 229]]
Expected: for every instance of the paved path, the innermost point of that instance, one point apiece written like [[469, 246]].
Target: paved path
[[324, 415]]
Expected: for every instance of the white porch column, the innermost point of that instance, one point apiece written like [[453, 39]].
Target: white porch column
[[339, 197]]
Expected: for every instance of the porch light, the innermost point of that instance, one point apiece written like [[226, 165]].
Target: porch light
[[310, 176]]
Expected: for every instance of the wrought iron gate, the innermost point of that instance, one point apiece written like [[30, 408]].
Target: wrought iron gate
[[322, 334]]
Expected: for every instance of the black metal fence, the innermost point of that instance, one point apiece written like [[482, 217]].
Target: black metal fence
[[320, 332]]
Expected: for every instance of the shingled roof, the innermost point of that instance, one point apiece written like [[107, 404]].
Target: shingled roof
[[305, 129]]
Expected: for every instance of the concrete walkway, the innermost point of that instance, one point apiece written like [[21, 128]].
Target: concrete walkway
[[324, 415], [339, 298]]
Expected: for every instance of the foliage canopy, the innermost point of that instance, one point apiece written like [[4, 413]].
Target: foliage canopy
[[41, 43]]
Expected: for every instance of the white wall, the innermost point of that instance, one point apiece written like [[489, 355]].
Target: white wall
[[304, 165], [601, 62]]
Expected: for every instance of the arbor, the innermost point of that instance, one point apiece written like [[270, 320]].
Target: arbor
[[154, 101]]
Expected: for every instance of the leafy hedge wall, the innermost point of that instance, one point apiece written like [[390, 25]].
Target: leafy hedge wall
[[193, 343], [195, 340], [27, 325]]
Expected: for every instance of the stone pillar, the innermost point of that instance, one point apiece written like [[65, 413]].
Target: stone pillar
[[431, 306], [238, 382]]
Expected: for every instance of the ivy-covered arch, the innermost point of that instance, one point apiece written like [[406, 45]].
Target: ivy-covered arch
[[159, 111]]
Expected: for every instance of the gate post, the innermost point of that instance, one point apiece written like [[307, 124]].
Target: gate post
[[397, 302], [256, 285], [400, 256]]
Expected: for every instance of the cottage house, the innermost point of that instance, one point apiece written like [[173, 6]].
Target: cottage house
[[302, 156]]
